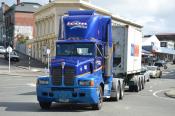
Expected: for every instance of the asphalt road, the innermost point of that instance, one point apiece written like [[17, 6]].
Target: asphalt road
[[17, 97]]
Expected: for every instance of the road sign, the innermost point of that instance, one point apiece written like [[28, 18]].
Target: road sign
[[9, 49], [48, 51]]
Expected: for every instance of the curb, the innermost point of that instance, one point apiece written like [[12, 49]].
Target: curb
[[32, 69], [17, 75], [170, 93]]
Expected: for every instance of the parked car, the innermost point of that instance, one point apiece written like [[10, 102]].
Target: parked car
[[13, 56], [155, 71], [146, 73], [174, 61], [2, 50], [161, 63]]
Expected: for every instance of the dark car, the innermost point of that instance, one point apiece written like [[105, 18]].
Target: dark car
[[161, 63], [174, 61], [13, 56]]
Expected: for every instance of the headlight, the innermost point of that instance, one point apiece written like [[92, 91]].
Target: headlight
[[86, 83], [42, 82]]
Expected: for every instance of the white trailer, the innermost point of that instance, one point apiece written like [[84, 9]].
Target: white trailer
[[127, 46]]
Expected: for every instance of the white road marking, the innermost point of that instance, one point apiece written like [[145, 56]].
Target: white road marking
[[127, 108], [165, 98], [31, 84], [2, 108], [166, 72], [150, 90]]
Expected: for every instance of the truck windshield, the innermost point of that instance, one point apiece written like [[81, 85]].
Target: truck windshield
[[75, 49]]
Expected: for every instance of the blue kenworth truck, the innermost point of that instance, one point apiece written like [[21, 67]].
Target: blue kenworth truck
[[94, 60]]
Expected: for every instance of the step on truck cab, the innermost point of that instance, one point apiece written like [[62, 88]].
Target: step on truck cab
[[82, 72]]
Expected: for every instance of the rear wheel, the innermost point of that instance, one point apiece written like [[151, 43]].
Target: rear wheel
[[143, 84], [137, 86], [100, 101], [45, 105], [131, 88], [121, 91]]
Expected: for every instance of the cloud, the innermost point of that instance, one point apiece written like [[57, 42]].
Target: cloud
[[155, 15]]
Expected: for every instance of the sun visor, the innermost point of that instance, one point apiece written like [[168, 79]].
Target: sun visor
[[80, 12]]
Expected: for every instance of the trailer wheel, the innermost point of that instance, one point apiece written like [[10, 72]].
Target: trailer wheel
[[131, 88], [137, 87], [100, 101], [143, 84], [45, 105]]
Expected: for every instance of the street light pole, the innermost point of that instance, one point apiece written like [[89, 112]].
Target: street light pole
[[9, 62], [9, 50], [48, 55]]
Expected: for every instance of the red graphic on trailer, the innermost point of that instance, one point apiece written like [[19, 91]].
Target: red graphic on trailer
[[134, 50]]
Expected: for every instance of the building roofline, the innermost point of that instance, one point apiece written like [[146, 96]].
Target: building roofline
[[165, 34], [15, 5], [88, 6]]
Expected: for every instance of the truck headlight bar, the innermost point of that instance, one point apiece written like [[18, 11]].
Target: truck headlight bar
[[42, 82], [86, 83]]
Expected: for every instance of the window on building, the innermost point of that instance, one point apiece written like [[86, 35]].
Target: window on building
[[163, 44]]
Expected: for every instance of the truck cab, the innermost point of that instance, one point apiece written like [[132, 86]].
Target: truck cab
[[81, 71]]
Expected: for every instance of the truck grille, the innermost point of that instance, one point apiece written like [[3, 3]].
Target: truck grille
[[56, 75], [69, 76]]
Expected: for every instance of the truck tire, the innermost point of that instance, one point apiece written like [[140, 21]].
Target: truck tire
[[100, 102], [137, 87], [116, 89], [131, 88], [45, 105], [121, 91], [143, 84]]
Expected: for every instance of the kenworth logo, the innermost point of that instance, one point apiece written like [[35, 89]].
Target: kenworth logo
[[77, 24]]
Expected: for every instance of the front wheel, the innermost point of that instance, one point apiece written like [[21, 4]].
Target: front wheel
[[45, 105], [100, 101]]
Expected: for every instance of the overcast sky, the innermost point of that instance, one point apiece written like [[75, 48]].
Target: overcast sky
[[157, 16]]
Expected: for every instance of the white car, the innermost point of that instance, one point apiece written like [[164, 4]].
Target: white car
[[146, 73], [2, 50], [154, 71]]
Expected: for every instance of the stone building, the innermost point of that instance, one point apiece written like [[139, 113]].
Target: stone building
[[19, 22], [4, 7], [47, 24]]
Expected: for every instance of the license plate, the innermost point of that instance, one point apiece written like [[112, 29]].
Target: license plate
[[64, 100]]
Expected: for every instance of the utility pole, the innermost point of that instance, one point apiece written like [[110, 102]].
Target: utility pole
[[29, 53]]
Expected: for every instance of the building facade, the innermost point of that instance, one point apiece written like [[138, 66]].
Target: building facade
[[47, 24], [162, 47], [3, 9], [19, 21]]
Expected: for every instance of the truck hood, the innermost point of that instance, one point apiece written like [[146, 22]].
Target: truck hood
[[74, 61]]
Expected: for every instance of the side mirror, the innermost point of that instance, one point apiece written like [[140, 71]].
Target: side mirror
[[91, 67]]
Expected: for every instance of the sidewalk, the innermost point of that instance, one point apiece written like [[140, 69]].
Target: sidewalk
[[170, 93], [19, 71]]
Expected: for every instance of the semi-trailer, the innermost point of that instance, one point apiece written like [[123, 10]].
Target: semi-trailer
[[94, 60]]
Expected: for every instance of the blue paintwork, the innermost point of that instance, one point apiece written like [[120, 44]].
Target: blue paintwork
[[91, 93], [81, 27]]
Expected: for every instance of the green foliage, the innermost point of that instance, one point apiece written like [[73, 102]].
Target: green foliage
[[22, 39]]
